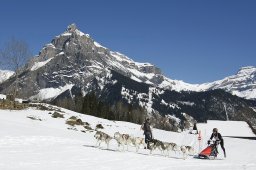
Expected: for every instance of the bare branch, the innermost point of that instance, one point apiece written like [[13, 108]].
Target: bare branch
[[14, 55]]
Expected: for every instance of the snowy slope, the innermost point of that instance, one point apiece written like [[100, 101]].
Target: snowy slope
[[49, 93], [48, 144], [5, 74]]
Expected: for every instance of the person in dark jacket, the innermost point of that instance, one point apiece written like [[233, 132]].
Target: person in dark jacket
[[217, 136], [147, 132]]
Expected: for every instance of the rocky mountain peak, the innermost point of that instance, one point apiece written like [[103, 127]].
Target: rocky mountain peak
[[71, 27], [74, 58]]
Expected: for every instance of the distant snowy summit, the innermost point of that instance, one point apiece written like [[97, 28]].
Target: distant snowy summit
[[242, 84], [5, 74], [74, 58]]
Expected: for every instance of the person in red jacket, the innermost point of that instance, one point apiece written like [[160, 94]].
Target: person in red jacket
[[217, 136]]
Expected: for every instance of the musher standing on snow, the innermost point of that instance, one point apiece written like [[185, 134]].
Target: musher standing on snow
[[147, 132], [217, 136]]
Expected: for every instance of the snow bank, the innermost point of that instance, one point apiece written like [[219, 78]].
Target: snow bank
[[49, 93], [5, 74], [2, 96], [248, 94], [226, 128], [37, 65]]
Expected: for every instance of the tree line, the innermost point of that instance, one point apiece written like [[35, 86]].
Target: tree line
[[90, 104]]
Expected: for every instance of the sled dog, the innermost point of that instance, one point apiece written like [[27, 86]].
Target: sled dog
[[190, 150], [170, 147], [125, 139], [185, 150], [137, 141], [102, 137], [122, 139], [167, 147], [156, 144]]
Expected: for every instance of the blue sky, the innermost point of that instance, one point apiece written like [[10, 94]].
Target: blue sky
[[192, 40]]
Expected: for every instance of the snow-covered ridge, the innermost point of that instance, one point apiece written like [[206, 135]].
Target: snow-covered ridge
[[37, 65], [242, 84], [50, 93], [49, 45], [98, 45], [5, 74], [121, 57], [247, 70]]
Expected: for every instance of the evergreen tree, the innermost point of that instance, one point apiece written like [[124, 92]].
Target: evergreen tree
[[91, 105]]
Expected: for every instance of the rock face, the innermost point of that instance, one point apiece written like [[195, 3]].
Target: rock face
[[71, 28]]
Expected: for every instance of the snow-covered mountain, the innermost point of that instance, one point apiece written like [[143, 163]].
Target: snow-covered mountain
[[242, 84], [74, 64], [73, 57], [5, 74], [184, 106]]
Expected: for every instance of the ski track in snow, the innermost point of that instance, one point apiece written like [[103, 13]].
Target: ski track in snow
[[48, 145]]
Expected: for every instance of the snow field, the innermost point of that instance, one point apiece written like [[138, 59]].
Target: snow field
[[49, 145]]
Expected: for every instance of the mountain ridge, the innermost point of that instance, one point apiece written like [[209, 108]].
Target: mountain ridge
[[73, 41], [73, 65]]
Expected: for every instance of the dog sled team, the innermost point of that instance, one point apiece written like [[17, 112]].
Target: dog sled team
[[125, 140]]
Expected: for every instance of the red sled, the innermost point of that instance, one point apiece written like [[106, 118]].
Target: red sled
[[209, 152]]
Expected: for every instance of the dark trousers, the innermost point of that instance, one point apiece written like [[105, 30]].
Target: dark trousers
[[148, 137], [222, 146]]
